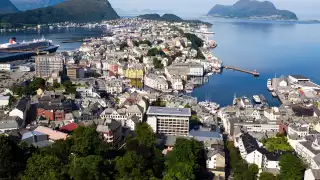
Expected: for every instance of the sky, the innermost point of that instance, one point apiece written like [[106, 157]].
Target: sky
[[305, 9]]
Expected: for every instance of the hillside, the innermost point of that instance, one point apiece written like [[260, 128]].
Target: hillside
[[7, 7], [24, 5], [252, 9], [71, 10], [170, 18]]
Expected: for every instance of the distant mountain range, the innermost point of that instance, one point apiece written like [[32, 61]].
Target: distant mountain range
[[70, 10], [252, 9], [170, 18], [7, 7], [136, 12], [24, 5]]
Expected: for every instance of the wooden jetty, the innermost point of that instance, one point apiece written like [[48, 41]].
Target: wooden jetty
[[255, 73]]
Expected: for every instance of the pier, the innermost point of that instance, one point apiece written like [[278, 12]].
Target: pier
[[254, 73]]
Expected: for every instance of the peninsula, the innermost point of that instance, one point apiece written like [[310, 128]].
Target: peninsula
[[71, 10], [251, 9]]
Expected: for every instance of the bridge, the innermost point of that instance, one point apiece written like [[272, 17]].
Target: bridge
[[254, 73]]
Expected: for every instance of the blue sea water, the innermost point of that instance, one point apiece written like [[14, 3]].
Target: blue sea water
[[272, 48]]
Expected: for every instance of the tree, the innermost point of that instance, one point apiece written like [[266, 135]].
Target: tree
[[11, 158], [153, 52], [180, 171], [42, 166], [89, 167], [279, 143], [145, 135], [267, 176], [291, 167], [132, 166], [187, 106], [86, 141], [185, 151], [56, 84]]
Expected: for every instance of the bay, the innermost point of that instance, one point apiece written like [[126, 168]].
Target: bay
[[272, 48]]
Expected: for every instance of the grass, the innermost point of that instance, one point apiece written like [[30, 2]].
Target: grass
[[277, 143]]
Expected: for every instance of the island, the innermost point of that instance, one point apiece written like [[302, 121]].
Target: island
[[251, 9], [171, 18]]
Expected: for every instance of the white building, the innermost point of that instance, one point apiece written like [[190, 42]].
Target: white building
[[5, 67], [272, 113], [176, 83], [156, 82], [21, 108], [169, 121], [114, 86], [312, 174], [87, 92], [245, 103], [4, 100], [309, 151], [296, 78], [283, 81], [299, 129]]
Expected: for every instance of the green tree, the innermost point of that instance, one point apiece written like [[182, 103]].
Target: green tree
[[56, 84], [89, 167], [291, 167], [187, 106], [185, 151], [267, 176], [86, 141], [145, 135], [180, 171], [153, 52], [132, 166], [41, 166], [11, 158]]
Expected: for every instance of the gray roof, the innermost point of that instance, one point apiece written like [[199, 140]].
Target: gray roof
[[298, 76], [154, 110], [316, 173]]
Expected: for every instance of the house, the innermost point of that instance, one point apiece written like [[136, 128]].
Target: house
[[132, 122], [206, 134], [8, 123], [297, 78], [299, 130], [283, 81], [309, 150], [114, 86], [245, 103], [36, 139], [111, 131], [21, 109], [87, 92], [215, 160], [52, 134], [312, 174], [4, 100], [156, 82], [272, 113]]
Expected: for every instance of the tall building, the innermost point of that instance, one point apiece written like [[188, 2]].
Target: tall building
[[169, 121], [45, 65], [74, 72]]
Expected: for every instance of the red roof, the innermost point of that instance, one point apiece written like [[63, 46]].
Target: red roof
[[69, 128]]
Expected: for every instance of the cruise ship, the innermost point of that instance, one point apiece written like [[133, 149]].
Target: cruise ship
[[17, 51]]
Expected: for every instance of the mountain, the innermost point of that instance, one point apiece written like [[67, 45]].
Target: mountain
[[24, 5], [70, 10], [252, 9], [171, 18], [7, 7]]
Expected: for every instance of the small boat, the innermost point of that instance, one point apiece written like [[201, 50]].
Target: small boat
[[210, 74], [256, 99], [274, 94]]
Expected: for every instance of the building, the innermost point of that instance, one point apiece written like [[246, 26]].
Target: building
[[46, 64], [114, 86], [111, 131], [312, 174], [8, 123], [21, 109], [297, 78], [245, 103], [309, 150], [156, 82], [52, 134], [272, 113], [176, 83], [75, 72], [169, 121], [298, 130], [4, 100], [134, 73], [5, 67], [87, 92], [283, 81], [27, 67], [215, 160]]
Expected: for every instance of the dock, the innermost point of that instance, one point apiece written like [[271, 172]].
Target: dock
[[254, 73]]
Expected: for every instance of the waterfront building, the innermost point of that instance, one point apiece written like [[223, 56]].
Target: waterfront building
[[46, 64], [26, 67], [272, 113], [156, 82], [6, 67], [169, 121]]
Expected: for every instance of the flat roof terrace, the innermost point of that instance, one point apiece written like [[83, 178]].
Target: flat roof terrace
[[165, 111]]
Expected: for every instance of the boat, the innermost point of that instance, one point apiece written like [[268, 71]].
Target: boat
[[210, 74], [274, 94], [269, 85], [256, 99], [212, 107], [17, 51]]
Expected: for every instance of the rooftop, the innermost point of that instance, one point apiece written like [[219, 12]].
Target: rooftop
[[299, 77], [154, 110]]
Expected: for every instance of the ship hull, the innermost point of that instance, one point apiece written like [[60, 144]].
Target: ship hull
[[7, 56]]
